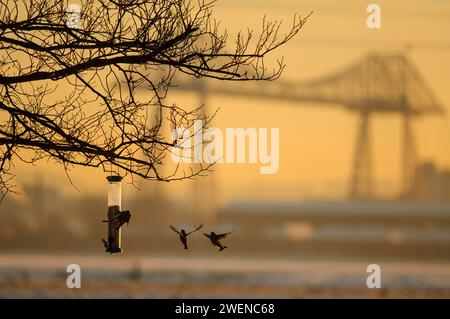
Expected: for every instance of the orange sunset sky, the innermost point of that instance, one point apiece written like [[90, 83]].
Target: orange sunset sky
[[316, 141]]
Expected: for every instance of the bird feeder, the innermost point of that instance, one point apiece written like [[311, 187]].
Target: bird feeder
[[114, 203]]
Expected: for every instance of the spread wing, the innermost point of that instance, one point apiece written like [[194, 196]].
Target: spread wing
[[196, 229], [174, 229], [224, 235]]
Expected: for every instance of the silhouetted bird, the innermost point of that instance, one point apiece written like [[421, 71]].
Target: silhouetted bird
[[215, 239], [120, 219], [105, 243], [183, 235], [109, 245]]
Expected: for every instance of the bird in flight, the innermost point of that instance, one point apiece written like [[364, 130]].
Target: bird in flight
[[120, 218], [184, 236], [215, 239]]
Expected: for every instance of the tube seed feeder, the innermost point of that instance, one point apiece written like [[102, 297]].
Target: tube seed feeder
[[114, 202]]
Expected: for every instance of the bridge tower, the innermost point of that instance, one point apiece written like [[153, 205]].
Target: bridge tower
[[361, 185], [409, 159], [376, 84]]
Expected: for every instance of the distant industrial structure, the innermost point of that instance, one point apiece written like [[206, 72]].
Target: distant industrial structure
[[376, 84], [432, 184]]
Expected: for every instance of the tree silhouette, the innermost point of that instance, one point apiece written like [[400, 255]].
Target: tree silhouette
[[69, 93]]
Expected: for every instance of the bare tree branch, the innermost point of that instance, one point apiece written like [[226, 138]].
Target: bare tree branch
[[70, 94]]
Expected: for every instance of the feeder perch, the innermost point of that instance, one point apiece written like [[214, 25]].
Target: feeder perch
[[114, 203]]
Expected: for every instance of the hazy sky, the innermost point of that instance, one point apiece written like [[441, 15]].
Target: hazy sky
[[316, 142]]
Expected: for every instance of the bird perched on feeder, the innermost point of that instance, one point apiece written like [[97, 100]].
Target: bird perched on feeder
[[105, 243], [184, 236], [215, 239], [108, 244], [120, 218]]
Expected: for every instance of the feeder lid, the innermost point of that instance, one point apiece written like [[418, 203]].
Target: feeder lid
[[114, 178]]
